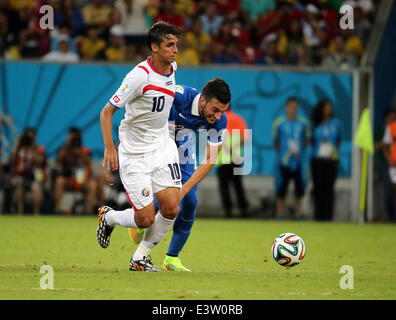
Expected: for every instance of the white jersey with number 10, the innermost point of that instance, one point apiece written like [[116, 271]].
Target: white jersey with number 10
[[147, 96]]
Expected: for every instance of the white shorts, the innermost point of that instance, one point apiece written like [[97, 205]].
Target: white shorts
[[146, 174], [392, 174]]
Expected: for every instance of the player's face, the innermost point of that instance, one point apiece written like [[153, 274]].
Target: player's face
[[327, 110], [167, 49], [212, 110], [291, 109]]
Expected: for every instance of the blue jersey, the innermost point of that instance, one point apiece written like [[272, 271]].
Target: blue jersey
[[190, 126], [291, 136], [325, 138]]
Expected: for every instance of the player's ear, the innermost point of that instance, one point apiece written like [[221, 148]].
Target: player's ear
[[154, 47]]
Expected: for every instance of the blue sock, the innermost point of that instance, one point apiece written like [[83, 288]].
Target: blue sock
[[183, 223]]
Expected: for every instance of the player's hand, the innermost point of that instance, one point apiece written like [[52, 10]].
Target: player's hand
[[110, 159], [171, 129]]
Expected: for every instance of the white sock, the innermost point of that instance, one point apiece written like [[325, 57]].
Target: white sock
[[125, 218], [153, 236]]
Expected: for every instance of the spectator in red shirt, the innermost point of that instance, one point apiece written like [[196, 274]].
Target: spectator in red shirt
[[167, 14], [75, 171]]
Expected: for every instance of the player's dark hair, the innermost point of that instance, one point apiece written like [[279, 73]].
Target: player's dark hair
[[217, 88], [317, 112], [159, 31], [291, 99], [75, 130]]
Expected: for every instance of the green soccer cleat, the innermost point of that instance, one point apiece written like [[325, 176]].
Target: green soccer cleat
[[173, 264], [136, 235]]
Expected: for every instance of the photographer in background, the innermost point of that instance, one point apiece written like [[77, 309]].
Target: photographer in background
[[28, 165], [75, 171]]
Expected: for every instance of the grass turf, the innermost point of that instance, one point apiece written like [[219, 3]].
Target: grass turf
[[230, 259]]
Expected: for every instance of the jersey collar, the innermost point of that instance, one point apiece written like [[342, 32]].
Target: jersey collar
[[194, 105], [156, 71]]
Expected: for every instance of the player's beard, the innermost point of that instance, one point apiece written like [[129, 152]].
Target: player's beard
[[209, 118]]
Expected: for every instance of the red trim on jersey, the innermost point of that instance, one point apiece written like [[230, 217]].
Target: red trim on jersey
[[144, 68], [133, 206], [160, 89], [155, 70]]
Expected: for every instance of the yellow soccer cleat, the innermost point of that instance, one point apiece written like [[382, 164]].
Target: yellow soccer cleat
[[173, 264]]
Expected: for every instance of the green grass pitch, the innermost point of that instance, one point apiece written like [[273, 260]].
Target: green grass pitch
[[230, 259]]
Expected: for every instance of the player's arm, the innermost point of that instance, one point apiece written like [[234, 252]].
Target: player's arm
[[203, 169], [275, 135], [387, 140], [110, 158]]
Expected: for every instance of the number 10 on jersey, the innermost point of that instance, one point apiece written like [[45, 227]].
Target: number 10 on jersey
[[158, 104], [174, 171]]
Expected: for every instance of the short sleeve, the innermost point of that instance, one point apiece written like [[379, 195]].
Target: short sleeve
[[275, 128], [183, 96], [179, 97], [131, 87], [387, 136]]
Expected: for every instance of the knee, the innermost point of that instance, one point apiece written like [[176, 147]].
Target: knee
[[144, 221], [170, 210], [91, 186], [60, 182], [36, 189], [189, 203]]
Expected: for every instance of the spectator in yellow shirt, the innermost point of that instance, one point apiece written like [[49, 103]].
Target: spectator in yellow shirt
[[197, 39], [187, 56], [115, 52], [98, 14], [91, 46]]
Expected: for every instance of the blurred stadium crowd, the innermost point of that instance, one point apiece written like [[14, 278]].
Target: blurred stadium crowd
[[36, 185], [269, 32]]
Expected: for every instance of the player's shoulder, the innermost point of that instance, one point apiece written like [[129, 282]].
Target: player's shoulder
[[336, 122], [185, 90], [303, 120], [184, 95], [279, 120], [140, 71]]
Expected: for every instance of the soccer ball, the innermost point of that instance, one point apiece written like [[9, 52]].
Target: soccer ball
[[288, 249]]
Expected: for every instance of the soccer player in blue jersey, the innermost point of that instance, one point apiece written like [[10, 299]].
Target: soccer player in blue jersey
[[191, 112], [291, 134]]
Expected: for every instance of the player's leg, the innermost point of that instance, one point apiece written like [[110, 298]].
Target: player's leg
[[37, 195], [299, 189], [168, 209], [90, 189], [240, 192], [282, 177], [137, 234], [166, 184], [140, 215], [223, 174], [181, 231], [19, 195], [60, 184], [138, 187]]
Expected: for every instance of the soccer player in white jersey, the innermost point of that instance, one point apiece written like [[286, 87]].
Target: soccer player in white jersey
[[147, 157]]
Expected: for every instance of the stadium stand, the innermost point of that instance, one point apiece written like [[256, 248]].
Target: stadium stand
[[266, 32]]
